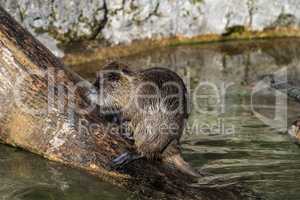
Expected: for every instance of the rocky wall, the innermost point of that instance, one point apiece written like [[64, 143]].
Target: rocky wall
[[123, 21]]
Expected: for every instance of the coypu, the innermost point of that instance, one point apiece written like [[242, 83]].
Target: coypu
[[285, 86], [292, 91], [294, 132], [154, 102]]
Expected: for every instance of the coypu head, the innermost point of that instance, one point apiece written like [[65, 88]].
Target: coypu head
[[114, 85], [294, 131]]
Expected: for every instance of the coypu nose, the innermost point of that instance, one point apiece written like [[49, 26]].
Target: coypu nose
[[182, 165], [292, 131]]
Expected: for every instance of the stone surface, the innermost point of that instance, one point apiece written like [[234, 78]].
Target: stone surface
[[119, 21], [57, 20], [147, 19]]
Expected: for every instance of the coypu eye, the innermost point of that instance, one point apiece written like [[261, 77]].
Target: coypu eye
[[125, 71], [113, 76]]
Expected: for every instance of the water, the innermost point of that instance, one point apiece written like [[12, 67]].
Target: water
[[25, 176], [225, 136]]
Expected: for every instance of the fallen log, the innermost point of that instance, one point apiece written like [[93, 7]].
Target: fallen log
[[43, 110]]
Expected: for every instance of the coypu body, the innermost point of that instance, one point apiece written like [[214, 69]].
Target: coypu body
[[154, 102]]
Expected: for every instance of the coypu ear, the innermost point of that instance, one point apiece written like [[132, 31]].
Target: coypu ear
[[116, 66], [110, 75], [114, 71], [180, 164], [297, 123]]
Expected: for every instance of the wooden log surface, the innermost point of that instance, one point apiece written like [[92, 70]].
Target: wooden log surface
[[41, 110]]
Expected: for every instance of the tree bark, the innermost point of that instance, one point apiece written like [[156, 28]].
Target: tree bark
[[40, 112]]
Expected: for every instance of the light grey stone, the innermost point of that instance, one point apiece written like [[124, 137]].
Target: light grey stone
[[220, 15], [119, 21], [64, 20], [140, 19], [266, 12]]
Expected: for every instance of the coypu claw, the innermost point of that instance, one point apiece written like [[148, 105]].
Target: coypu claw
[[123, 160]]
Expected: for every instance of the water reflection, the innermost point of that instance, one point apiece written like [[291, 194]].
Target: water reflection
[[25, 176]]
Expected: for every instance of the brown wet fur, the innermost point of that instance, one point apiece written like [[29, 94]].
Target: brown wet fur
[[156, 123]]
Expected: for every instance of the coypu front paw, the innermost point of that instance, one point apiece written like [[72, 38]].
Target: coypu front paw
[[123, 160]]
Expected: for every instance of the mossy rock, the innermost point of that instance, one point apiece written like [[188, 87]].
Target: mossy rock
[[234, 30], [284, 20]]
